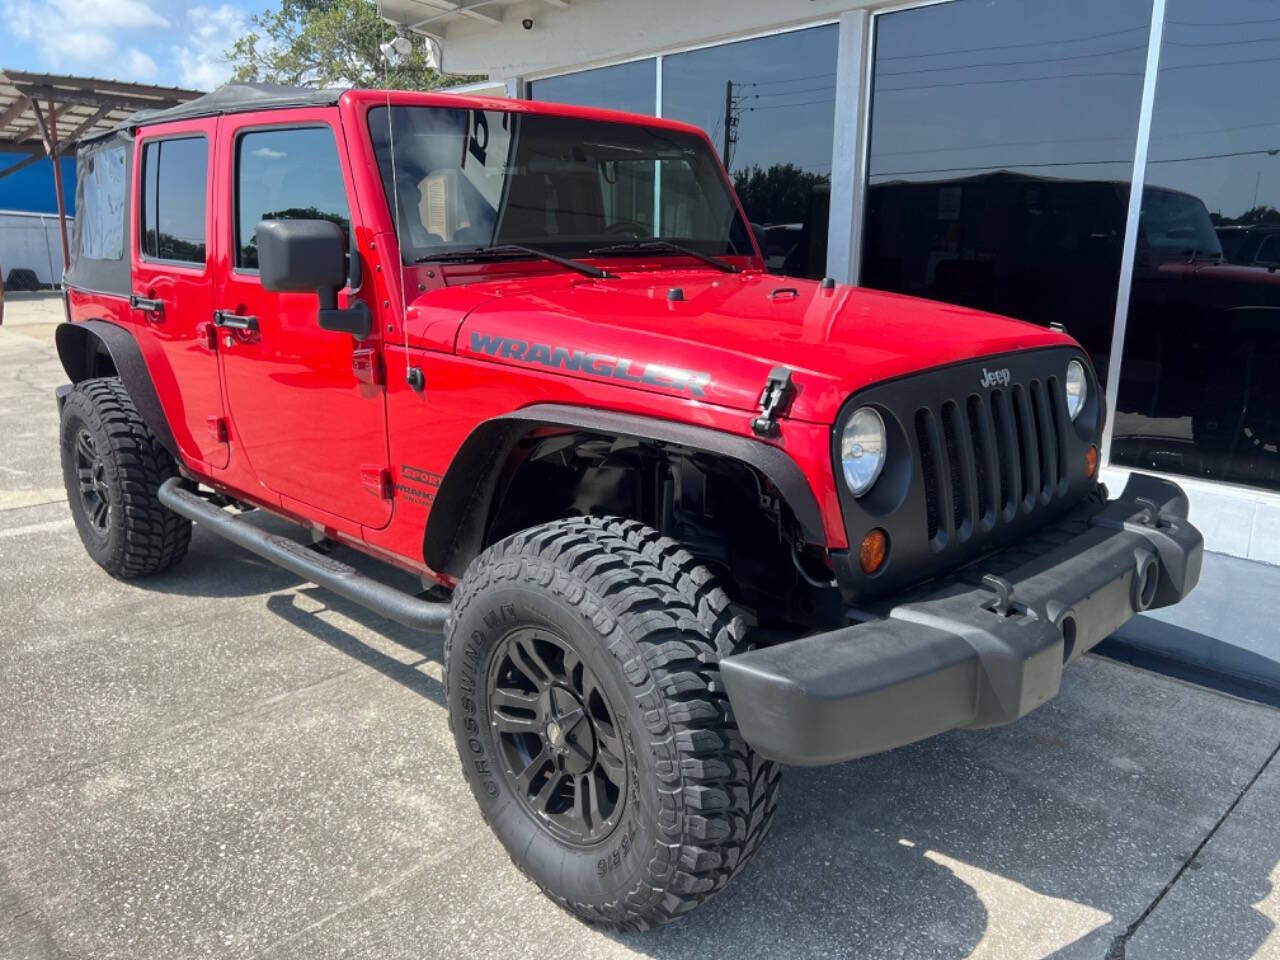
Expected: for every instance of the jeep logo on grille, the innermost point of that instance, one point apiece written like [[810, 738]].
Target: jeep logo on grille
[[992, 378]]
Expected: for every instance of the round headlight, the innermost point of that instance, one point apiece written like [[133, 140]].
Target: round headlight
[[1077, 388], [862, 450]]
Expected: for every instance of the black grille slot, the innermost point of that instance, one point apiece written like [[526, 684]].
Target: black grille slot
[[1047, 436], [1007, 460], [982, 451], [1057, 416], [954, 462], [928, 470], [1027, 444]]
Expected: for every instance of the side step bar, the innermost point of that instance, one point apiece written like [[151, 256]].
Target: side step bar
[[297, 559]]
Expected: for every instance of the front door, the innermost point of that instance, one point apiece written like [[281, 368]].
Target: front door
[[303, 410], [172, 295]]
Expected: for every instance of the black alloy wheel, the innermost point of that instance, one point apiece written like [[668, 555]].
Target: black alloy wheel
[[91, 475], [558, 736]]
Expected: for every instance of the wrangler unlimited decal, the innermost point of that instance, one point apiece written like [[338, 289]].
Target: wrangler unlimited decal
[[595, 364]]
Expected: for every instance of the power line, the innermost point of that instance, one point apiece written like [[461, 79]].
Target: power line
[[1180, 134], [977, 83], [1219, 43], [1230, 23], [1075, 163], [780, 106], [1009, 63], [765, 83], [1016, 46], [788, 93], [1217, 63]]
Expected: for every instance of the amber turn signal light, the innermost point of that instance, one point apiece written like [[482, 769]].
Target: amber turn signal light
[[875, 547], [1091, 462]]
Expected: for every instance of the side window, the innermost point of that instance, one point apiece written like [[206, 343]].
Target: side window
[[290, 174], [102, 215], [174, 177], [1269, 252]]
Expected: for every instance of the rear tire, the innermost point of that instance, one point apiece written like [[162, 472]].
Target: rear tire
[[593, 644], [112, 467]]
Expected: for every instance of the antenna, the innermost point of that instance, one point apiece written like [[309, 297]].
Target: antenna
[[396, 47]]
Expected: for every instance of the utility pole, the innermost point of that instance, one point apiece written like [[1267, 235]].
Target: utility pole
[[730, 124]]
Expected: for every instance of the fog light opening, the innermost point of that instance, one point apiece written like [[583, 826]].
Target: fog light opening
[[1068, 626], [1091, 462], [1150, 579], [875, 547]]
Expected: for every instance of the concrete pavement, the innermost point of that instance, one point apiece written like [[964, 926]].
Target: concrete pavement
[[223, 761]]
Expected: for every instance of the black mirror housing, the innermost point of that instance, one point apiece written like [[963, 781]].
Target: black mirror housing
[[300, 255]]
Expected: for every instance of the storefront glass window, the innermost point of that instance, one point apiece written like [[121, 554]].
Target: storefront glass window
[[627, 86], [1199, 384], [1002, 141], [769, 106]]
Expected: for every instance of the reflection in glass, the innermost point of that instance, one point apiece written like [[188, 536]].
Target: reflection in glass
[[1002, 140], [476, 178], [289, 174], [174, 177], [1199, 384], [628, 86], [769, 106]]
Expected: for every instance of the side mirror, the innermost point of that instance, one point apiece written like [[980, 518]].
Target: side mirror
[[761, 236], [300, 255]]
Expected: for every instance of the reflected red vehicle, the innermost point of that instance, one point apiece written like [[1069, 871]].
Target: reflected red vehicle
[[679, 520]]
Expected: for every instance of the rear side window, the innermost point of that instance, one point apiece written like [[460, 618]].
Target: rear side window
[[174, 177], [290, 174], [102, 203]]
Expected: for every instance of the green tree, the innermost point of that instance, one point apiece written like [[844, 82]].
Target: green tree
[[779, 194], [329, 43]]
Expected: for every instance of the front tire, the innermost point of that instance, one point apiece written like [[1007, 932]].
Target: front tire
[[584, 697], [112, 467]]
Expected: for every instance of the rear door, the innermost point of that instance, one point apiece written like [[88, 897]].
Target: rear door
[[306, 406], [172, 279]]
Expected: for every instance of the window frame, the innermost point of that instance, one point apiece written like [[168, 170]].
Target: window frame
[[140, 201], [233, 221]]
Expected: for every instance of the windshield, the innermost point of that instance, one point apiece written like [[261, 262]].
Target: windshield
[[1177, 226], [463, 179]]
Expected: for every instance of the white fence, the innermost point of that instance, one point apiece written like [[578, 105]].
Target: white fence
[[31, 240]]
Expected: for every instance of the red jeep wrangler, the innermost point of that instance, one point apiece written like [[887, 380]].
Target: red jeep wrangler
[[679, 520]]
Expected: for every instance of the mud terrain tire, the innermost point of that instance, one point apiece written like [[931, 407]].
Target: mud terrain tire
[[112, 467], [649, 625]]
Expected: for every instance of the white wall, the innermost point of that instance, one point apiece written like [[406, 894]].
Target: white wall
[[31, 240], [591, 32]]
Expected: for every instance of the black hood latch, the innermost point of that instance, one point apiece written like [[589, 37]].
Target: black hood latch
[[775, 401]]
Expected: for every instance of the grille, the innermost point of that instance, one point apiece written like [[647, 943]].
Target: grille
[[990, 456]]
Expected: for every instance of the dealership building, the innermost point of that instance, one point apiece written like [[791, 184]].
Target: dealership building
[[1109, 165]]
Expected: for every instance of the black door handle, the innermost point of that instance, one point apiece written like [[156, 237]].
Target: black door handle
[[234, 321], [146, 305]]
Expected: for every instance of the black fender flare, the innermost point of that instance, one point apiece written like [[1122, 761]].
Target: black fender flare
[[459, 515], [78, 343]]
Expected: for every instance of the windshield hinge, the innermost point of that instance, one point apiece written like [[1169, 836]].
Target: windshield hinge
[[775, 401]]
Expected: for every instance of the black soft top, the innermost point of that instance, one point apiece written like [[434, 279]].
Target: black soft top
[[234, 98]]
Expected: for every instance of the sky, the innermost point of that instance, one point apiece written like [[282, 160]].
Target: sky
[[164, 42]]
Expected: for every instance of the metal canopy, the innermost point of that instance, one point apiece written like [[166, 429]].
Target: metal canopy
[[45, 115]]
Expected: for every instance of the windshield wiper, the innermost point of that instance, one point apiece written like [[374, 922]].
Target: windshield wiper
[[639, 246], [506, 250]]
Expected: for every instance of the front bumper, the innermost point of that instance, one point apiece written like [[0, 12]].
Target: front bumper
[[980, 648]]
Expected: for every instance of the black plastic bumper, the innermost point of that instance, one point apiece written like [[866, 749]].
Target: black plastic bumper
[[979, 649]]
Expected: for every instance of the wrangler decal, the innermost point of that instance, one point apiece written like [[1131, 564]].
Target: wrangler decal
[[595, 364]]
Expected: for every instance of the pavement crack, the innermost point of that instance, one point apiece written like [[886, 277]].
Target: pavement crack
[[1121, 941]]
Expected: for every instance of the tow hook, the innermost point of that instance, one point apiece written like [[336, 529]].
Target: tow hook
[[775, 401]]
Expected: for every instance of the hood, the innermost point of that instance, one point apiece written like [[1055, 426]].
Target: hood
[[715, 337]]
